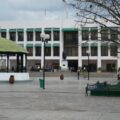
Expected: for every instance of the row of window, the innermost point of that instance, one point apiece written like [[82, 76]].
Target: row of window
[[106, 34], [73, 51], [47, 51], [87, 34], [104, 51], [20, 35]]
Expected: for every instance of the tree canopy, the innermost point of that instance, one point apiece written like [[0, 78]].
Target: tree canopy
[[101, 12], [90, 11]]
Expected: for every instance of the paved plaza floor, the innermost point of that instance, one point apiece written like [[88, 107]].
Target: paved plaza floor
[[61, 100]]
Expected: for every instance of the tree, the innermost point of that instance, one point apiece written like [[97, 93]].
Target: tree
[[97, 11]]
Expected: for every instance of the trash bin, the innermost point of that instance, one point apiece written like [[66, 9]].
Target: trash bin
[[42, 83]]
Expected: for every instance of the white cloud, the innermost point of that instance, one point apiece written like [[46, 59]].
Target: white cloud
[[32, 9]]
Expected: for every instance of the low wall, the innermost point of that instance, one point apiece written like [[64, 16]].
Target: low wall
[[18, 76]]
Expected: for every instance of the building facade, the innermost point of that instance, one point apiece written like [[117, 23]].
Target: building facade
[[68, 45]]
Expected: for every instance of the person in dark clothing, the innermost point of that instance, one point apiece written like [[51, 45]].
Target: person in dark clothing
[[78, 73]]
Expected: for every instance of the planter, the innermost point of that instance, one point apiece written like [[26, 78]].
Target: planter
[[11, 79], [61, 77]]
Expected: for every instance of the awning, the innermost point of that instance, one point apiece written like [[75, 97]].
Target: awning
[[85, 44], [94, 29], [12, 30], [85, 28], [3, 30], [38, 45], [94, 45], [69, 29], [56, 29], [38, 29], [47, 45], [104, 44], [47, 29], [20, 30], [56, 44], [29, 30], [29, 45]]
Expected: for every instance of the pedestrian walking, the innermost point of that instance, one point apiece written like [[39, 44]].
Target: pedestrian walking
[[78, 73], [84, 72]]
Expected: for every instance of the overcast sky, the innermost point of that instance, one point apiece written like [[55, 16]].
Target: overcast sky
[[16, 10]]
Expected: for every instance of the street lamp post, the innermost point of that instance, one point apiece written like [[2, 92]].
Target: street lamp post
[[88, 53], [44, 40]]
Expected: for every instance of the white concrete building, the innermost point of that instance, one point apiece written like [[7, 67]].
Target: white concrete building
[[65, 37]]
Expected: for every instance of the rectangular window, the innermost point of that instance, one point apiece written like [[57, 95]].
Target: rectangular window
[[114, 33], [30, 51], [71, 43], [113, 50], [94, 51], [12, 36], [37, 36], [56, 35], [70, 38], [94, 34], [104, 50], [85, 34], [56, 51], [29, 36], [84, 51], [3, 34], [37, 51], [20, 36], [104, 34], [71, 51], [47, 51]]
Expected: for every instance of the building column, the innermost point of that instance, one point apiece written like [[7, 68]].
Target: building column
[[61, 47], [118, 60], [52, 43], [99, 49], [80, 48]]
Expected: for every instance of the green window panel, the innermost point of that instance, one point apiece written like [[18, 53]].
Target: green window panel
[[56, 29], [104, 44], [47, 29], [69, 29], [3, 30], [12, 30], [29, 45], [20, 30], [29, 29], [38, 29], [38, 45], [48, 45], [56, 44], [94, 45], [85, 44]]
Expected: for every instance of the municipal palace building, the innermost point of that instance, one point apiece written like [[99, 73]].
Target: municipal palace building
[[68, 47]]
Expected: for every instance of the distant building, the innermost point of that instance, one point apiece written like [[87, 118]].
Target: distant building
[[65, 37]]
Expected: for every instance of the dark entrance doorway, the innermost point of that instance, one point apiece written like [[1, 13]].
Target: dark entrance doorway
[[73, 65], [110, 67]]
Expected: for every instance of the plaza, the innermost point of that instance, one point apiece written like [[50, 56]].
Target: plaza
[[61, 100]]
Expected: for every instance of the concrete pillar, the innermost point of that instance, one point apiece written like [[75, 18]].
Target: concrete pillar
[[80, 48], [61, 47], [99, 49], [118, 56]]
